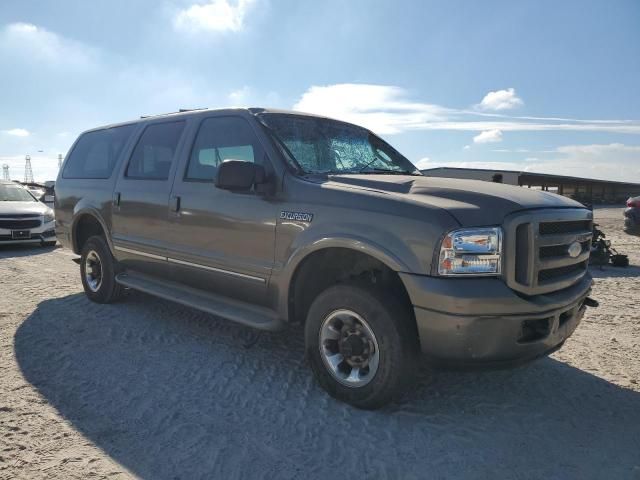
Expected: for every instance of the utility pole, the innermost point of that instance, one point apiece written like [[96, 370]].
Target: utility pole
[[28, 172], [5, 172], [59, 161]]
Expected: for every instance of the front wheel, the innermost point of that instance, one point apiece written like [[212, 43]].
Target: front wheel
[[361, 344], [98, 271]]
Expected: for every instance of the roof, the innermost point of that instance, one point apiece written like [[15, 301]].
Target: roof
[[203, 111], [522, 173]]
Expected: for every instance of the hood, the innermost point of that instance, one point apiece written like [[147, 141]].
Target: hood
[[13, 208], [471, 202]]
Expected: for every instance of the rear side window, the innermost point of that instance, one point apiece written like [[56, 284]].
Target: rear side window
[[220, 139], [96, 153], [154, 153]]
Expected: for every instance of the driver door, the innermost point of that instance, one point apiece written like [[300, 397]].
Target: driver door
[[219, 240]]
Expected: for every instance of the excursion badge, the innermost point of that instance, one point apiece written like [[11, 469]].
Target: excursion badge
[[296, 216]]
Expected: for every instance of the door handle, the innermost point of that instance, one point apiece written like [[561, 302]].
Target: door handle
[[116, 199], [175, 203]]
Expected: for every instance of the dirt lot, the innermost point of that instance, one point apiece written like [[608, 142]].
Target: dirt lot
[[146, 388]]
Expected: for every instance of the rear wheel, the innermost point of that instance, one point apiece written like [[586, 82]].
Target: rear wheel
[[362, 344], [98, 271]]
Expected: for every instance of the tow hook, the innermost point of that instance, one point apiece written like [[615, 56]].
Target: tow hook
[[590, 302]]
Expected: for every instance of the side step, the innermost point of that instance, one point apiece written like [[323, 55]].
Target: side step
[[261, 318]]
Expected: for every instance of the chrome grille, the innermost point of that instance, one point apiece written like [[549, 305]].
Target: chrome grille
[[537, 249]]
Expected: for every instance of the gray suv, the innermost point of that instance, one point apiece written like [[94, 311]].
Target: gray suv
[[268, 217]]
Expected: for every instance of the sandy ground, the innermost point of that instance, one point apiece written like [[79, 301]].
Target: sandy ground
[[146, 388]]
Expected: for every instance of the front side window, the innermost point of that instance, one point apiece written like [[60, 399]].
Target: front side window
[[321, 145], [154, 153], [96, 153], [15, 193], [220, 139]]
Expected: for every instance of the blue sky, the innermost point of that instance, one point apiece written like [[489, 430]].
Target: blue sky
[[542, 85]]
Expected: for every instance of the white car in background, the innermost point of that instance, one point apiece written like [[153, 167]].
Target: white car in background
[[23, 219]]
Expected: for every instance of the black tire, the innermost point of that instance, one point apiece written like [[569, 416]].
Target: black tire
[[107, 291], [394, 328]]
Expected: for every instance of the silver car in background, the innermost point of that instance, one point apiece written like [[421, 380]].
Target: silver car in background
[[23, 219]]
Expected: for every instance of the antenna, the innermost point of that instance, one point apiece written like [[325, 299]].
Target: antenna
[[59, 161], [5, 172], [28, 172]]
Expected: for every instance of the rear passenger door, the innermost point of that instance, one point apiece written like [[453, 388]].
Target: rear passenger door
[[220, 240], [141, 197]]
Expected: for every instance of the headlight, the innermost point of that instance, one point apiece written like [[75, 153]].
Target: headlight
[[49, 217], [471, 251]]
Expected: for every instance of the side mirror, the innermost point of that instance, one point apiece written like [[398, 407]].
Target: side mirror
[[239, 175]]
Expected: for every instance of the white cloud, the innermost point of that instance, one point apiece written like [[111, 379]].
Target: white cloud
[[386, 109], [614, 161], [466, 147], [17, 132], [488, 136], [501, 100], [631, 127], [239, 97], [595, 150], [518, 150], [380, 108], [214, 16], [423, 163], [37, 45]]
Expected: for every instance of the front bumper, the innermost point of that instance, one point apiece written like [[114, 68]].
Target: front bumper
[[44, 233], [481, 321]]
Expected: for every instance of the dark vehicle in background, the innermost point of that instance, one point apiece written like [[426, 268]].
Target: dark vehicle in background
[[632, 216], [24, 219], [267, 217]]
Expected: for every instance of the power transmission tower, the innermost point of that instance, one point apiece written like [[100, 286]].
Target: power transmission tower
[[5, 172], [59, 161], [28, 172]]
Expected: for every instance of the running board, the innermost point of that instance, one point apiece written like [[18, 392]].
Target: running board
[[261, 318]]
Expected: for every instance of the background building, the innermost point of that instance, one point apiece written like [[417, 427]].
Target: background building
[[582, 189]]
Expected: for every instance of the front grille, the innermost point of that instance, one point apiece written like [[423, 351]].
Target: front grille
[[554, 273], [19, 224], [537, 249], [20, 215], [561, 250], [554, 228]]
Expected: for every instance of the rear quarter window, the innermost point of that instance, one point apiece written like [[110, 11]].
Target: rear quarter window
[[96, 153]]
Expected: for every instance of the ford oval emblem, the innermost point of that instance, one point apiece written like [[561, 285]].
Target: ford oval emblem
[[575, 249]]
